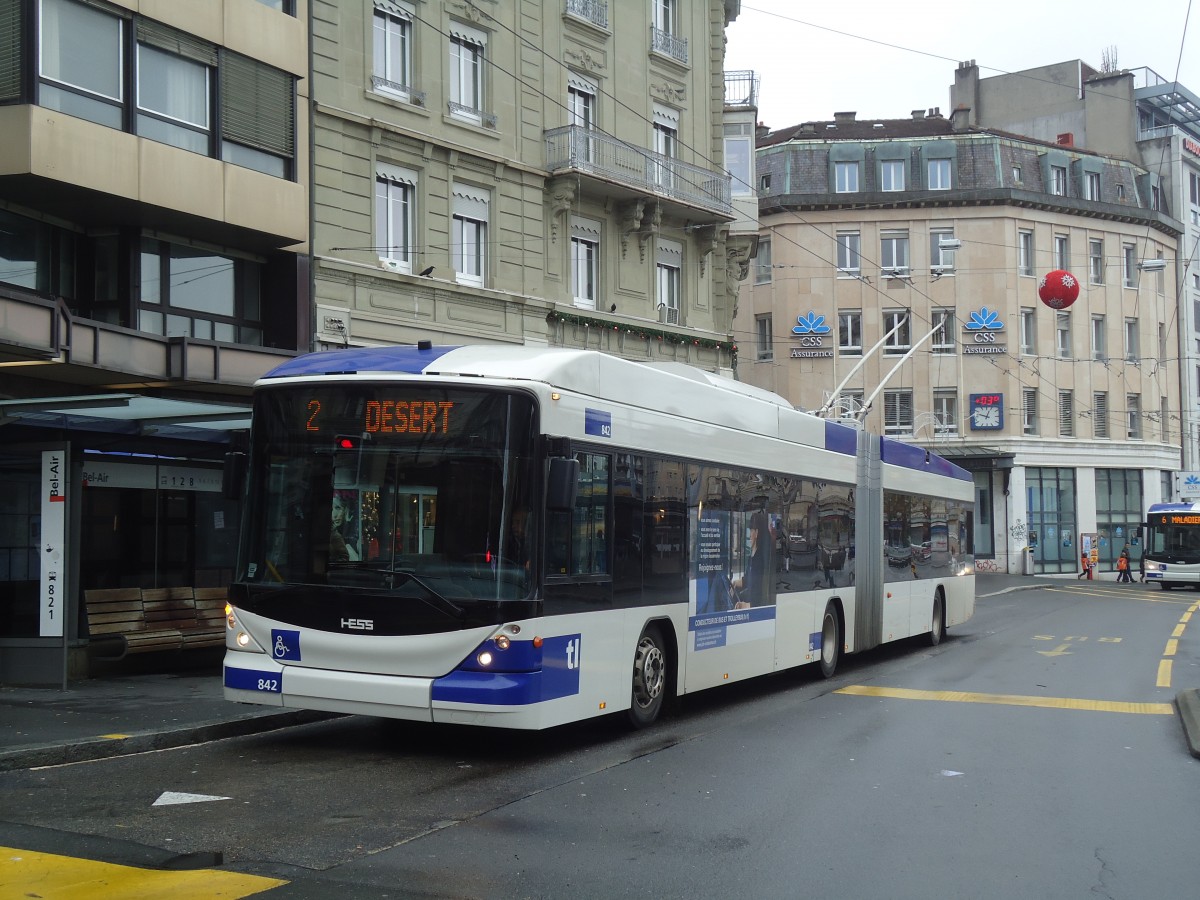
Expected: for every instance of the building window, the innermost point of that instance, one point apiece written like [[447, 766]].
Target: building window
[[1091, 186], [466, 74], [739, 161], [1129, 265], [945, 411], [1062, 252], [937, 174], [81, 62], [581, 102], [1029, 411], [83, 67], [1058, 180], [1119, 512], [891, 174], [1028, 332], [845, 177], [1096, 261], [1062, 332], [1016, 174], [1025, 253], [850, 333], [943, 331], [849, 258], [585, 262], [764, 182], [1132, 342], [897, 324], [469, 233], [668, 269], [1066, 414], [762, 325], [395, 195], [1134, 346], [893, 253], [941, 250], [666, 140], [762, 262], [849, 405], [1133, 415], [1099, 345], [897, 412], [1100, 414], [1050, 505], [391, 61], [192, 292], [173, 98]]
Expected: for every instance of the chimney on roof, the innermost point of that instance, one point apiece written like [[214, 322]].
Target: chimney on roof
[[1066, 139], [808, 127], [934, 113], [917, 114], [960, 119], [761, 131], [844, 118]]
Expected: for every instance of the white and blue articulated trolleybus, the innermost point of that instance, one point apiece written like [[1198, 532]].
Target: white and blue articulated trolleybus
[[526, 537]]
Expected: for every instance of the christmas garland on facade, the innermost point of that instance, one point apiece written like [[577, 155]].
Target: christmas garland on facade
[[648, 334]]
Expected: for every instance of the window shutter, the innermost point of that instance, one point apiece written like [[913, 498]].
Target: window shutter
[[1100, 413], [257, 105], [163, 37], [11, 58], [1066, 414]]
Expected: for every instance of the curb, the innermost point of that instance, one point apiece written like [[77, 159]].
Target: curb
[[100, 748], [1188, 704]]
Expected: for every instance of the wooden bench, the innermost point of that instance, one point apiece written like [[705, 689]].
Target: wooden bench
[[117, 617], [139, 620], [209, 628]]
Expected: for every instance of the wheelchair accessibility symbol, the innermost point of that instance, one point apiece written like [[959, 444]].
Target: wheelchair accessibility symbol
[[285, 644]]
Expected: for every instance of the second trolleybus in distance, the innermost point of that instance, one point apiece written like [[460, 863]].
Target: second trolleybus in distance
[[1171, 553], [525, 537]]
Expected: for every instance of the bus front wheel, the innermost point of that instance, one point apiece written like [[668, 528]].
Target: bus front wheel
[[831, 641], [937, 629], [649, 678]]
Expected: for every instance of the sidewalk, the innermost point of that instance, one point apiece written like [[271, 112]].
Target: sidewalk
[[119, 714]]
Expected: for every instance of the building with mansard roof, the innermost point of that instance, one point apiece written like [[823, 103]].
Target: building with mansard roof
[[897, 285]]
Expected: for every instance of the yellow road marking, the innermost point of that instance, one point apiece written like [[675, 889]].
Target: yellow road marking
[[1164, 673], [1172, 647], [1136, 595], [28, 874], [1186, 617], [1178, 632], [1152, 709], [114, 737]]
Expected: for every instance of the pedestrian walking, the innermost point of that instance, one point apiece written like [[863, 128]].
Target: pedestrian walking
[[1123, 576], [1083, 563]]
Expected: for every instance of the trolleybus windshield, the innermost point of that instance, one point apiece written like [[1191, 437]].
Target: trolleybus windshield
[[1173, 537], [415, 495]]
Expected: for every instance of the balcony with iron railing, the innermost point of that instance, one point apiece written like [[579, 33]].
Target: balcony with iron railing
[[402, 91], [666, 43], [573, 148], [594, 11], [741, 89]]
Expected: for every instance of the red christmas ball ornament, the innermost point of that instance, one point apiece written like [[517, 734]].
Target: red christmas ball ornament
[[1058, 289]]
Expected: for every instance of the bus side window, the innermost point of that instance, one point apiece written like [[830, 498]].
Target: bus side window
[[577, 541]]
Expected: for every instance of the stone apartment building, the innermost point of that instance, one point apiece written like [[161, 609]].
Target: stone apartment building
[[525, 173], [914, 247]]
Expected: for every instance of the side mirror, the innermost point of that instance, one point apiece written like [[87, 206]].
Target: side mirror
[[562, 484], [233, 477]]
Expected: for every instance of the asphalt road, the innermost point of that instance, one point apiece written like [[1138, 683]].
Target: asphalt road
[[1033, 754]]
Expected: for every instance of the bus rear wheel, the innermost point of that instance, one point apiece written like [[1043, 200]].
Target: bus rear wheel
[[649, 678], [937, 629], [831, 641]]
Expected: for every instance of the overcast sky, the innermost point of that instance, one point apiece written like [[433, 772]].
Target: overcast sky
[[883, 59]]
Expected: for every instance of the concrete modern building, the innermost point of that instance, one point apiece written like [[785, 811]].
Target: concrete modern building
[[153, 263], [512, 173], [1133, 114], [915, 247]]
